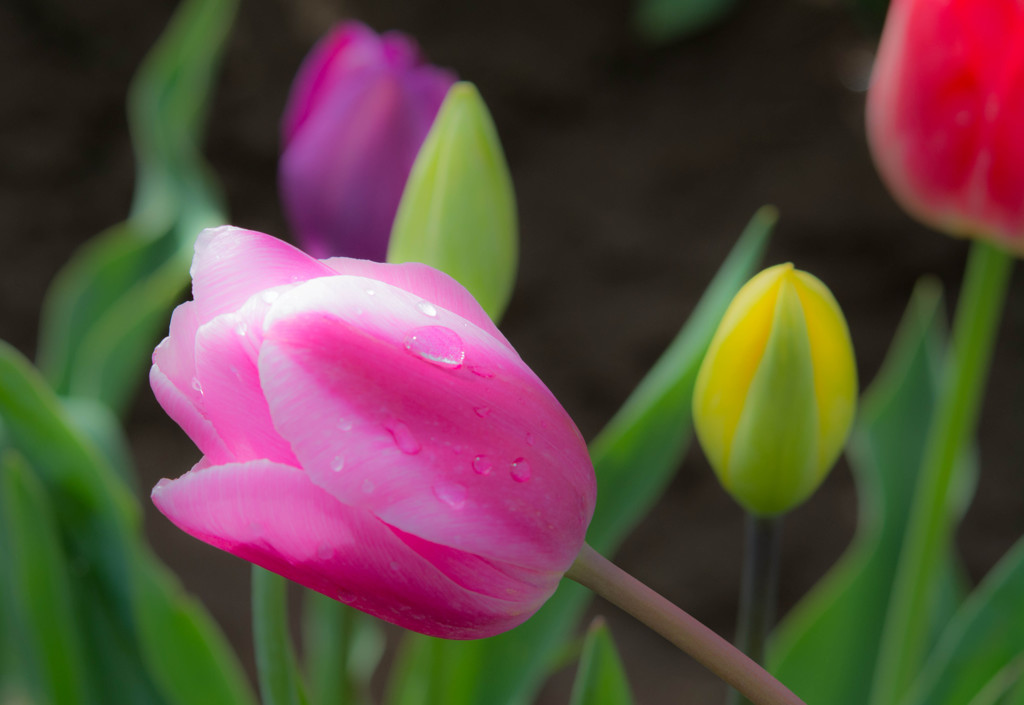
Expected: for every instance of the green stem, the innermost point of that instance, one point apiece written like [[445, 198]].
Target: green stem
[[594, 571], [759, 590], [276, 665], [929, 530]]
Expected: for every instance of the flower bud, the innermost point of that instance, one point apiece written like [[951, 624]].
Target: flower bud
[[356, 116], [368, 432], [944, 115], [776, 393], [458, 211]]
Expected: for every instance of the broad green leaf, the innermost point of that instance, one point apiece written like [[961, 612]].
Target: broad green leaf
[[94, 421], [343, 648], [276, 665], [600, 679], [37, 586], [635, 457], [107, 307], [826, 648], [139, 609], [660, 21], [458, 209], [981, 652]]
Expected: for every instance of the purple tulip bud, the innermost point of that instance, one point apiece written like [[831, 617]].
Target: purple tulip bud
[[357, 114]]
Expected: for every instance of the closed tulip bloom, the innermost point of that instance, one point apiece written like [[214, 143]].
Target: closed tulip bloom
[[367, 432], [356, 116], [945, 112], [776, 393]]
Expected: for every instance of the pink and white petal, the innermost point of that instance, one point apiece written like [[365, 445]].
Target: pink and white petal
[[271, 515], [226, 353], [176, 354], [477, 456], [430, 284], [183, 411], [232, 264]]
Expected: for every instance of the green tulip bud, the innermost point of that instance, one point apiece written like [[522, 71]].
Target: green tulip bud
[[776, 393], [458, 210]]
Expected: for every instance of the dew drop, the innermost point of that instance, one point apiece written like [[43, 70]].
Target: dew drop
[[344, 424], [338, 464], [482, 411], [427, 309], [520, 470], [454, 495], [481, 371], [482, 465], [370, 292], [529, 439], [270, 296], [403, 437], [393, 565], [346, 597], [437, 345], [324, 551], [241, 328], [197, 385], [368, 486]]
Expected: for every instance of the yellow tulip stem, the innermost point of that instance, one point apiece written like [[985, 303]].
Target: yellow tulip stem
[[907, 629], [596, 572], [759, 589]]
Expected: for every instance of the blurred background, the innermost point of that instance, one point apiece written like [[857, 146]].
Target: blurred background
[[636, 166]]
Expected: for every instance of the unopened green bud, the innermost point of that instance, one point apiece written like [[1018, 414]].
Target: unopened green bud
[[776, 394], [458, 211]]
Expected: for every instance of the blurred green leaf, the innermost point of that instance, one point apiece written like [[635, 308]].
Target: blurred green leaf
[[660, 21], [415, 678], [981, 652], [458, 209], [343, 648], [600, 679], [826, 648], [36, 585], [276, 665], [106, 308], [635, 457], [94, 421]]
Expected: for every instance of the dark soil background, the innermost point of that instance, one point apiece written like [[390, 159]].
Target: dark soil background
[[635, 168]]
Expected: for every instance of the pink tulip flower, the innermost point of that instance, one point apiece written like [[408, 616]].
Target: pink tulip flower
[[367, 432], [357, 114], [945, 115]]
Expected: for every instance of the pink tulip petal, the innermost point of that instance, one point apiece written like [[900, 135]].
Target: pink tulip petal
[[232, 264], [383, 427], [271, 515], [183, 411], [426, 282], [176, 354], [226, 351]]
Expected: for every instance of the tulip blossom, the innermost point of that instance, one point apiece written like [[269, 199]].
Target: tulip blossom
[[944, 115], [776, 393], [356, 116], [368, 432]]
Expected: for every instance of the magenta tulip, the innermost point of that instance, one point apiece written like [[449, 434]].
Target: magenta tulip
[[945, 114], [357, 114], [367, 431]]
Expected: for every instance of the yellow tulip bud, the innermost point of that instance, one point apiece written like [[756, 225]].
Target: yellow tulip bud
[[777, 390]]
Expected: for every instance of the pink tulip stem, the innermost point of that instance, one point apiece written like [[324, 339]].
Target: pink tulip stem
[[759, 589], [905, 638], [596, 572]]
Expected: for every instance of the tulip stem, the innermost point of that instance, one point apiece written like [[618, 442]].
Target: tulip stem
[[905, 636], [759, 590], [596, 572], [276, 666]]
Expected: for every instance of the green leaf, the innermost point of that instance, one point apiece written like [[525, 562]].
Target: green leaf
[[37, 586], [826, 648], [458, 209], [94, 421], [982, 649], [600, 679], [276, 665], [106, 308], [635, 457], [660, 21], [343, 648]]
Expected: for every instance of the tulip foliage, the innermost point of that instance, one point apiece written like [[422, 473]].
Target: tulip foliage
[[364, 429]]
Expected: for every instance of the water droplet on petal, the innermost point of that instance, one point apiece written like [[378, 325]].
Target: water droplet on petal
[[370, 292], [197, 385], [482, 465], [324, 551], [454, 495], [529, 439], [403, 437], [393, 565], [481, 371], [338, 464], [368, 486], [438, 345], [482, 411], [344, 424], [520, 470], [427, 308], [346, 597], [270, 296], [241, 328]]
